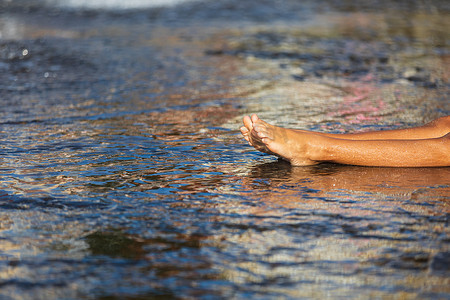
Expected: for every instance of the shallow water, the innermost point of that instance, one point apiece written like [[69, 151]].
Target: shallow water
[[124, 175]]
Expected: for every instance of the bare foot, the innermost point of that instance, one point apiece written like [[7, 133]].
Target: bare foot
[[247, 128], [288, 144], [252, 137]]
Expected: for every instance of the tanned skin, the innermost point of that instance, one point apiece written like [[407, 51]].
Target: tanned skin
[[423, 146]]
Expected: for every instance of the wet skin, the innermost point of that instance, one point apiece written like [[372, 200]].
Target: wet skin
[[424, 146]]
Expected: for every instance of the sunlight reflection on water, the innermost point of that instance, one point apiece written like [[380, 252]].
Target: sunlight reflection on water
[[115, 4], [123, 174]]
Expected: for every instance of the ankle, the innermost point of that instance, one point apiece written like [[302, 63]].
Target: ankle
[[318, 148]]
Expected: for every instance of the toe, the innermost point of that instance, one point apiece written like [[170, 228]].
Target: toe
[[257, 127], [245, 133], [263, 132], [254, 118], [248, 123], [254, 135]]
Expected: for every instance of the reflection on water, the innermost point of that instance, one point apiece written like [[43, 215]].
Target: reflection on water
[[114, 4], [123, 174]]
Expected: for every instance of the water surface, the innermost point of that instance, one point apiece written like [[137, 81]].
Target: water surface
[[123, 174]]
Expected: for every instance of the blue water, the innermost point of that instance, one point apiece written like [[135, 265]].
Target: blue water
[[123, 174]]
